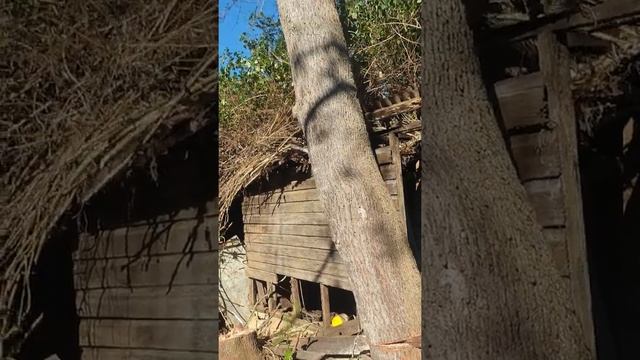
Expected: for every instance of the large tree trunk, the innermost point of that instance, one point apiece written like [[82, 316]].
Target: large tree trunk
[[365, 226], [491, 289]]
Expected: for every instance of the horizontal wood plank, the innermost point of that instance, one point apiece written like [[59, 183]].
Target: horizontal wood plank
[[286, 219], [189, 335], [261, 275], [319, 266], [209, 209], [389, 172], [162, 238], [521, 101], [177, 302], [314, 206], [383, 155], [312, 242], [90, 353], [294, 251], [301, 274], [284, 208], [555, 238], [536, 155], [303, 230], [307, 194], [546, 197], [164, 270]]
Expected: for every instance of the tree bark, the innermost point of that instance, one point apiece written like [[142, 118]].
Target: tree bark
[[365, 226], [491, 290]]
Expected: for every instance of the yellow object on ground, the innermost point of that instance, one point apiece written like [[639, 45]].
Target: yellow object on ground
[[337, 321]]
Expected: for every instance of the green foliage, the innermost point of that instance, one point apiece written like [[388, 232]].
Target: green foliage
[[288, 354], [384, 38], [246, 81]]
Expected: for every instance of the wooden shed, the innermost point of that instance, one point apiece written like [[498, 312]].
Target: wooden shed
[[145, 270], [286, 231]]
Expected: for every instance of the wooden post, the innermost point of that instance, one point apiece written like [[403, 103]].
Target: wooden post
[[261, 294], [394, 144], [271, 296], [554, 64], [295, 295], [252, 292], [324, 300]]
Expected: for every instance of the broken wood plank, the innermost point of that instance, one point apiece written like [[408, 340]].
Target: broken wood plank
[[535, 155], [521, 101], [555, 62], [395, 109]]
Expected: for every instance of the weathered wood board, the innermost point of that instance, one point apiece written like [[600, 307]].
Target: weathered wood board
[[177, 302], [143, 354], [287, 233], [536, 155], [147, 240], [148, 290], [522, 101], [538, 116], [163, 270], [186, 335]]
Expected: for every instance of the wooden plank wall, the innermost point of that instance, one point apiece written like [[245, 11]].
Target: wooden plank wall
[[534, 144], [539, 119], [287, 233], [148, 289]]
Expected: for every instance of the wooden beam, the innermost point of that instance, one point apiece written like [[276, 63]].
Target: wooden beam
[[271, 296], [261, 275], [326, 309], [608, 13], [295, 295], [253, 288], [554, 64], [262, 294], [395, 109]]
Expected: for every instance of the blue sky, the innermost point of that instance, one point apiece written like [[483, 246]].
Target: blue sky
[[234, 20]]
